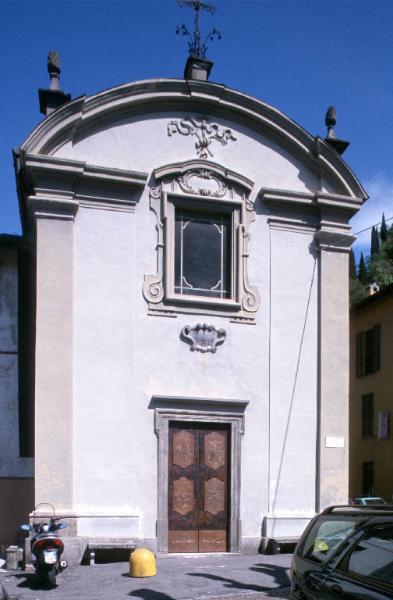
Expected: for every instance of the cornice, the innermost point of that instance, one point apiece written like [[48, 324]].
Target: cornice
[[36, 164], [80, 117], [52, 184], [339, 201], [318, 200], [184, 402]]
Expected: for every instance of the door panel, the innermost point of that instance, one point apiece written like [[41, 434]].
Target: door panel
[[213, 475], [212, 541], [183, 490], [198, 488]]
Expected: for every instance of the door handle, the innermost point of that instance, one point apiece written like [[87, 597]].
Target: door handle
[[313, 586], [313, 582], [336, 589]]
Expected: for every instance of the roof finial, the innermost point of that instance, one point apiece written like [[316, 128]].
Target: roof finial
[[54, 70], [197, 66], [196, 47], [53, 97], [330, 121]]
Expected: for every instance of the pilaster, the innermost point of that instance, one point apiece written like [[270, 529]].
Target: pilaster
[[51, 191], [54, 219], [332, 446]]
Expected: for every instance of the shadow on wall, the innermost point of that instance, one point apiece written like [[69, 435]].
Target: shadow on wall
[[16, 502]]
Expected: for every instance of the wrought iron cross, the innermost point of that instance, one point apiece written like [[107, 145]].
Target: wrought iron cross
[[196, 47]]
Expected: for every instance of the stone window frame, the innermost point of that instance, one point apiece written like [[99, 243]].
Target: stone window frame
[[204, 187], [172, 409]]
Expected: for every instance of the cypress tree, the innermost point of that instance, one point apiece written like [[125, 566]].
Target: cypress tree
[[374, 249], [384, 229], [352, 266], [362, 271]]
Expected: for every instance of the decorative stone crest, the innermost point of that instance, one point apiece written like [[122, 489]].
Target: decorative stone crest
[[204, 131], [203, 337], [212, 184]]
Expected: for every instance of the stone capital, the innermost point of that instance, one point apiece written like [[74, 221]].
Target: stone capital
[[52, 208], [336, 241]]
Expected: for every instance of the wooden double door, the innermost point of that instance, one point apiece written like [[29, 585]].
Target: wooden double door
[[198, 502]]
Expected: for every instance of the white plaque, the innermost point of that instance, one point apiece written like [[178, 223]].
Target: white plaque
[[334, 442]]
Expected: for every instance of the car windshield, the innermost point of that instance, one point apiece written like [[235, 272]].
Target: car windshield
[[374, 501], [326, 534]]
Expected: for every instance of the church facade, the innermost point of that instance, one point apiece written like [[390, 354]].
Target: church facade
[[190, 250]]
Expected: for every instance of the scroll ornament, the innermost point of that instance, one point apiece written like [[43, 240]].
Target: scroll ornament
[[204, 131]]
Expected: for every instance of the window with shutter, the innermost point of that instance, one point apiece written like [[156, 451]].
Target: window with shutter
[[359, 354], [368, 415], [368, 345], [368, 478], [383, 424], [376, 348]]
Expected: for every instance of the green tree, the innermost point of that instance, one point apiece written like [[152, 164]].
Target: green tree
[[357, 291], [384, 229], [375, 246], [387, 247], [377, 267], [362, 270], [352, 265], [381, 271]]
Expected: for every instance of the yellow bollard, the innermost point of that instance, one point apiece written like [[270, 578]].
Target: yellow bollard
[[142, 563]]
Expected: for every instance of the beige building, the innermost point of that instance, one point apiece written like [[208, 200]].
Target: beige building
[[371, 396]]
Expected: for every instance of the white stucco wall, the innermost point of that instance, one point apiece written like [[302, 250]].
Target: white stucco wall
[[140, 144], [293, 364], [123, 356]]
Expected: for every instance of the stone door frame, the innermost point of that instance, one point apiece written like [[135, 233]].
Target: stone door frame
[[198, 410]]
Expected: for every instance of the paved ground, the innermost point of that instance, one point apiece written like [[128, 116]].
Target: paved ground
[[179, 577]]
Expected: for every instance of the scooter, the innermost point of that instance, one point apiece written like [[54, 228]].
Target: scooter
[[46, 547]]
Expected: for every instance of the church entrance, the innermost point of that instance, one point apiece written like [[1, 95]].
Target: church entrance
[[198, 487]]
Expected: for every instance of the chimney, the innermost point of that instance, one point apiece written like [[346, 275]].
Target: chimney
[[372, 289], [53, 97], [197, 68]]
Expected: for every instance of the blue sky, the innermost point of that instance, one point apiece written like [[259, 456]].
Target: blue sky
[[300, 56]]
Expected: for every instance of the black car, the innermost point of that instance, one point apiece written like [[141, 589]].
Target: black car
[[345, 552]]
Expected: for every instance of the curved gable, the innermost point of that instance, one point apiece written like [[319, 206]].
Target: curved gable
[[86, 122]]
